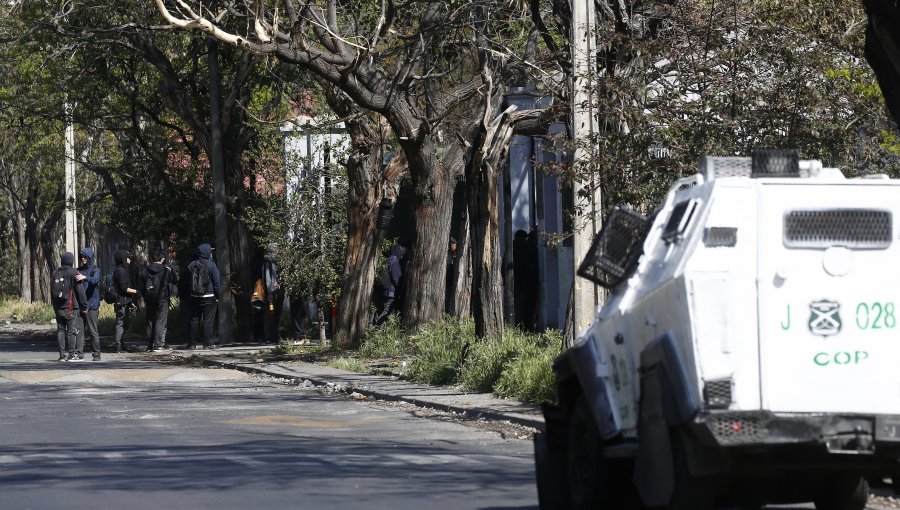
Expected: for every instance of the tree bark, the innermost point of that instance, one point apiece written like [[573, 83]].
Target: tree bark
[[423, 300]]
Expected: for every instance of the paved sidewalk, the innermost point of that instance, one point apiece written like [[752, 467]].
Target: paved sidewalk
[[443, 398]]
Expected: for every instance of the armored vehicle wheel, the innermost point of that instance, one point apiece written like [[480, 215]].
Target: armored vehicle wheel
[[691, 492], [588, 488], [847, 493], [550, 472]]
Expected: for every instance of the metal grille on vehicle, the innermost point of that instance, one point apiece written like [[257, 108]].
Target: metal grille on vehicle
[[717, 393], [851, 228], [736, 429], [725, 166], [615, 251]]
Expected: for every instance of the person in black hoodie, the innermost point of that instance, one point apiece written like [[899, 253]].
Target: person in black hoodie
[[68, 306], [125, 295], [158, 279], [203, 300], [393, 283], [91, 283]]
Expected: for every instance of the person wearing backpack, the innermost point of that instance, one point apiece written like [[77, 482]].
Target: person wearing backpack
[[91, 284], [125, 295], [203, 282], [68, 302], [274, 298], [158, 278]]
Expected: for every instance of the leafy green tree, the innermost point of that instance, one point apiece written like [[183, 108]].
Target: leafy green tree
[[306, 229], [424, 68]]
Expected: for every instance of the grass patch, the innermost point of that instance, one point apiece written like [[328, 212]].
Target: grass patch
[[439, 351], [387, 340], [348, 364], [16, 309], [515, 365], [528, 377]]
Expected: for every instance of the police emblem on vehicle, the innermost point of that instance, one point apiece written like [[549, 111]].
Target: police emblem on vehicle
[[824, 317]]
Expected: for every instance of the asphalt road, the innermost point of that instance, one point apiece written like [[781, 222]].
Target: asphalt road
[[124, 434]]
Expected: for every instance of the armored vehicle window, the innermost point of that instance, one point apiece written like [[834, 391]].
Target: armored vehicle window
[[678, 223], [852, 228], [615, 251]]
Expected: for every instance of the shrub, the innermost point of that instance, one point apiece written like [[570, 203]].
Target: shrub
[[529, 376], [385, 341], [488, 357], [439, 349], [31, 313]]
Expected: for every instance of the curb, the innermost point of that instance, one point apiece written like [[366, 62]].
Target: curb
[[470, 413]]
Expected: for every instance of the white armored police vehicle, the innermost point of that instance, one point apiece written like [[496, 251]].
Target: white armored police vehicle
[[749, 350]]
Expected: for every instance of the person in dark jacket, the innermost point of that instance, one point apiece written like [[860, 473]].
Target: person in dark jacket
[[392, 282], [274, 301], [125, 295], [203, 303], [91, 284], [158, 279], [68, 309]]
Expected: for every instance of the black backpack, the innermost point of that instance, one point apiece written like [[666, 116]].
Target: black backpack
[[199, 270], [107, 290], [154, 287], [61, 286]]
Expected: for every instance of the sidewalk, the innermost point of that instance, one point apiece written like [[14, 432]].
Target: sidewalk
[[442, 398]]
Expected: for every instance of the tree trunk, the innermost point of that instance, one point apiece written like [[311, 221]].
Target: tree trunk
[[240, 244], [353, 310], [367, 184], [462, 279], [423, 299], [23, 253], [487, 284]]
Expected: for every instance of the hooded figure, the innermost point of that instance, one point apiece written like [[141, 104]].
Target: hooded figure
[[124, 291], [204, 255], [76, 300], [91, 282], [67, 305], [122, 277], [393, 283], [202, 302]]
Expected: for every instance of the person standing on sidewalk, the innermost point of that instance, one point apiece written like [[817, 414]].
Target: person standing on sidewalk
[[68, 302], [204, 286], [125, 295], [274, 298], [91, 283], [158, 278]]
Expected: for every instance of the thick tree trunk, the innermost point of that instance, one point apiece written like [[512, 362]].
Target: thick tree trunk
[[353, 310], [423, 300], [239, 243], [487, 285]]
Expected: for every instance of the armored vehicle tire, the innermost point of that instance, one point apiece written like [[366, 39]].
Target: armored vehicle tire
[[691, 492], [846, 493], [550, 471], [588, 488]]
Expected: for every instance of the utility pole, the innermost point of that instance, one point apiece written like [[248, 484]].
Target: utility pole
[[223, 254], [71, 213], [586, 295]]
